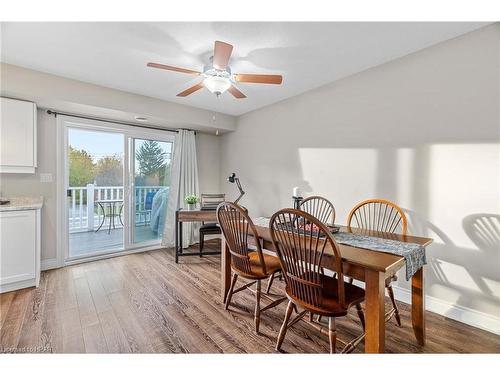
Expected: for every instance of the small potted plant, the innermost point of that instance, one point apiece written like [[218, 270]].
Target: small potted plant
[[191, 201]]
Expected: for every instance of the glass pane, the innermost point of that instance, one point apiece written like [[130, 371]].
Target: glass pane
[[95, 193], [152, 163]]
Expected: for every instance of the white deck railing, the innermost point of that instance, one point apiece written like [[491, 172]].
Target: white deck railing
[[86, 215]]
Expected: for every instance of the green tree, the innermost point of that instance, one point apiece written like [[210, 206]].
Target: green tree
[[151, 159], [109, 171], [81, 168]]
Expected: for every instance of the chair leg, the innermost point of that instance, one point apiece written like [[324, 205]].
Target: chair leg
[[202, 240], [271, 278], [361, 315], [284, 326], [230, 294], [257, 306], [396, 310], [332, 334]]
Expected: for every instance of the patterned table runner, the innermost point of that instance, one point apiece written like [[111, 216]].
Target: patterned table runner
[[413, 253]]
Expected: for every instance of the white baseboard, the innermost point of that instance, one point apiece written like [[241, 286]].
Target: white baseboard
[[462, 314], [49, 264]]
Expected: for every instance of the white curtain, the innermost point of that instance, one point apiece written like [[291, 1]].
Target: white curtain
[[184, 181]]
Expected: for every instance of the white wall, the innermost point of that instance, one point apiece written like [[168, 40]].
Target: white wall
[[208, 155], [423, 131]]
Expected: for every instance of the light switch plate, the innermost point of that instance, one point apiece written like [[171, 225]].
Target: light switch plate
[[45, 177]]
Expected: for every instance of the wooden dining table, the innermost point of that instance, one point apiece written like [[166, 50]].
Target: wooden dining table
[[372, 267]]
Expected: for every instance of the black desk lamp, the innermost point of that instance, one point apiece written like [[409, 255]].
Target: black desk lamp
[[232, 179]]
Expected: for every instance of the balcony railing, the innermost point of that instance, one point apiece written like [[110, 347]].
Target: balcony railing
[[86, 215]]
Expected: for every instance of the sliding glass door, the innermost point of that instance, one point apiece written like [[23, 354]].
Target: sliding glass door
[[116, 185], [151, 185], [95, 193]]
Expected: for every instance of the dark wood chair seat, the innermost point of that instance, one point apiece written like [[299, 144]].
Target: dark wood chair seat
[[210, 228], [330, 305]]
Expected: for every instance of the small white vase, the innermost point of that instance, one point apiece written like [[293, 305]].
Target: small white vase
[[191, 206]]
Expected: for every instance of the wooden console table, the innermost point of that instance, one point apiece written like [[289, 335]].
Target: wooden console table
[[183, 216]]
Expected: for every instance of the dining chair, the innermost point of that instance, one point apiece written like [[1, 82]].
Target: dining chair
[[248, 264], [380, 215], [319, 207], [209, 202], [305, 247]]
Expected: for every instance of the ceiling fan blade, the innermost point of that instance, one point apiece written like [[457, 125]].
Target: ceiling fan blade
[[236, 93], [259, 78], [173, 68], [222, 53], [190, 90]]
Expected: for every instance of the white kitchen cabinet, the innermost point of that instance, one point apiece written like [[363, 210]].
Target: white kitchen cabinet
[[18, 140], [19, 249]]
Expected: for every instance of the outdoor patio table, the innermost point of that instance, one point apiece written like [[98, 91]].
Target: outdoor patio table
[[112, 204]]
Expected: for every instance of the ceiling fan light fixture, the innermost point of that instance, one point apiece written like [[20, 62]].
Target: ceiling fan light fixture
[[217, 85]]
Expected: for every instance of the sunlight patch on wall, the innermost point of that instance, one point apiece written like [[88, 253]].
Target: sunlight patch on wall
[[463, 180]]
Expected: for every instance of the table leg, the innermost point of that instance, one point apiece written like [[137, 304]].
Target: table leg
[[225, 263], [375, 312], [120, 215], [103, 217], [110, 218], [181, 242], [176, 236], [418, 306], [114, 214]]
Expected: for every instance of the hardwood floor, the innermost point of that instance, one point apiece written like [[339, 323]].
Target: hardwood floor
[[146, 303]]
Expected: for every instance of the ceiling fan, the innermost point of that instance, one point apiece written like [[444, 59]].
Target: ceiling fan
[[218, 77]]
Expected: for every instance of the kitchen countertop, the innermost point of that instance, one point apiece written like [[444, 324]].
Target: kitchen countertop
[[22, 203]]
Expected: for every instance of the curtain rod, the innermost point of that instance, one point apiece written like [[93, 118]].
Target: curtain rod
[[55, 113]]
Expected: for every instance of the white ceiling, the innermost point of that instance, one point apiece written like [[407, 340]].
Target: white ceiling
[[308, 55]]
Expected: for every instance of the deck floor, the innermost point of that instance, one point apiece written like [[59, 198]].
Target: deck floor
[[145, 302], [82, 243]]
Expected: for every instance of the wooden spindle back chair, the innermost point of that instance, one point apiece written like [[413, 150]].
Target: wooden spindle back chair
[[300, 241], [383, 216], [378, 215], [237, 228], [305, 247], [319, 207]]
